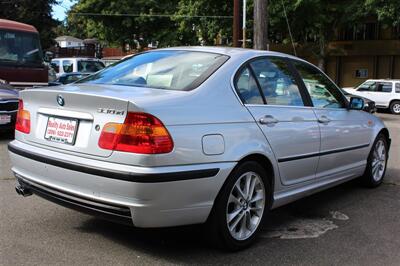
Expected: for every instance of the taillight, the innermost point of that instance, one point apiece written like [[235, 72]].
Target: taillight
[[140, 133], [23, 123]]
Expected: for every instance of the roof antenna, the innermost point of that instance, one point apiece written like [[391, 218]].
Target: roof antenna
[[290, 32]]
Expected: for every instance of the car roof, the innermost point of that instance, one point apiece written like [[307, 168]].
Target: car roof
[[76, 58], [229, 51], [383, 80], [15, 25]]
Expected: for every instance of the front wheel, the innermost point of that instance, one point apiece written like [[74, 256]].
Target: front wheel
[[376, 163], [395, 107], [241, 207]]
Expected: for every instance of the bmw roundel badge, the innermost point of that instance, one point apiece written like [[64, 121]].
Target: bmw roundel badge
[[60, 100]]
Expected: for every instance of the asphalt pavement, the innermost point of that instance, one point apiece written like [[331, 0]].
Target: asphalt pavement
[[345, 225]]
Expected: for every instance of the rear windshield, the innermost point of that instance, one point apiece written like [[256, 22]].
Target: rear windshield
[[86, 66], [170, 70]]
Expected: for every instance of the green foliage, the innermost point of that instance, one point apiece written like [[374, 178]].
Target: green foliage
[[313, 22], [36, 13], [116, 29], [387, 11]]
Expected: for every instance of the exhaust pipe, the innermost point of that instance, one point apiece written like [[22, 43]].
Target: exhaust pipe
[[23, 191]]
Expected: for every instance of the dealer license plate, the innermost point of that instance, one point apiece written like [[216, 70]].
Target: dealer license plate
[[61, 130]]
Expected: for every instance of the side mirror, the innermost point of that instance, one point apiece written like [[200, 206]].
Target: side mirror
[[356, 103]]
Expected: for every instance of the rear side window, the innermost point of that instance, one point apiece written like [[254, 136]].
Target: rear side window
[[247, 87], [170, 70], [323, 92], [55, 64], [87, 66], [277, 82], [397, 87], [384, 87], [67, 66]]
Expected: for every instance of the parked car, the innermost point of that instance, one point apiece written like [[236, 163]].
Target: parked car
[[8, 107], [76, 64], [369, 105], [194, 135], [68, 78], [384, 92]]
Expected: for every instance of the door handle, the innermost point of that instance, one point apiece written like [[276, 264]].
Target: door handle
[[323, 120], [268, 120]]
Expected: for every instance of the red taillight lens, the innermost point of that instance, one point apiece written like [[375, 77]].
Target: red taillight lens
[[23, 123], [140, 133]]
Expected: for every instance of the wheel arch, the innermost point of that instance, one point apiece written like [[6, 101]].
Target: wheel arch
[[385, 132], [264, 162]]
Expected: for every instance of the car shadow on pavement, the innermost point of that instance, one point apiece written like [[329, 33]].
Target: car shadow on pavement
[[189, 244]]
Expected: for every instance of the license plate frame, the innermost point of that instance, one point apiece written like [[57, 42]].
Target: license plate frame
[[62, 139]]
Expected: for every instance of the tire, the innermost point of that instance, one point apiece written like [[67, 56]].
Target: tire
[[253, 213], [395, 107], [376, 163]]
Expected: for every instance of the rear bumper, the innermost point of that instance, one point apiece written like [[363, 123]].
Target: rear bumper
[[148, 197]]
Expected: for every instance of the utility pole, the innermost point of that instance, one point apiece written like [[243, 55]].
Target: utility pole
[[236, 23], [244, 24], [260, 26]]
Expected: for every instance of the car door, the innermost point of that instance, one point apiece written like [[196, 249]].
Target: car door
[[270, 91], [364, 90], [345, 134]]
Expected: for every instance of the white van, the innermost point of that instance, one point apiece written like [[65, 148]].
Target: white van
[[76, 64]]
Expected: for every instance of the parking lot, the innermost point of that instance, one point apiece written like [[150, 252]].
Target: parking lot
[[347, 225]]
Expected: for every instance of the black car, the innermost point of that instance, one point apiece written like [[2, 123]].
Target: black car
[[8, 107], [68, 78]]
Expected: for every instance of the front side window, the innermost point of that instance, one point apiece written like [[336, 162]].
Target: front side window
[[68, 66], [397, 87], [247, 88], [277, 82], [367, 86], [169, 70], [323, 92], [55, 64]]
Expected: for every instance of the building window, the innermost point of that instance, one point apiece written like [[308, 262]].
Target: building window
[[362, 73], [366, 31]]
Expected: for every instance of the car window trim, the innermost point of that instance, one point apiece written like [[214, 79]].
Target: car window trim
[[253, 74]]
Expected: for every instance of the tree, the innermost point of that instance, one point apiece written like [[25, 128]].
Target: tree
[[203, 21], [387, 11], [36, 13], [313, 22], [260, 26], [176, 22], [119, 22]]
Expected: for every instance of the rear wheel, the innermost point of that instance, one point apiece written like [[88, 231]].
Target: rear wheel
[[377, 162], [395, 107], [241, 207]]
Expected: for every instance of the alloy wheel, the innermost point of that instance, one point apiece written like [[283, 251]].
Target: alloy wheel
[[245, 206], [378, 160], [396, 108]]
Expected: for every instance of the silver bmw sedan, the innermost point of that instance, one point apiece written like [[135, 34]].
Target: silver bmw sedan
[[192, 135]]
